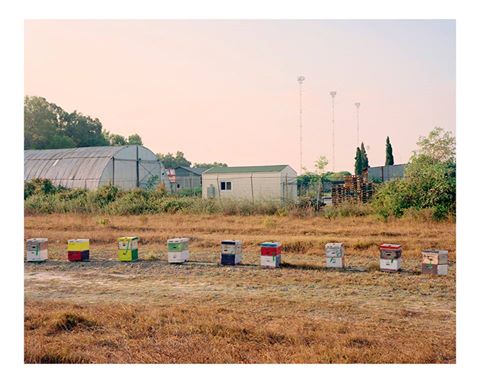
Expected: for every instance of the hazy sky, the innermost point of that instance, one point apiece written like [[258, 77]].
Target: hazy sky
[[227, 91]]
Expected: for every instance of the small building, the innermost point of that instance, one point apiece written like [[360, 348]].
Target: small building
[[254, 183], [386, 173], [186, 178], [128, 167]]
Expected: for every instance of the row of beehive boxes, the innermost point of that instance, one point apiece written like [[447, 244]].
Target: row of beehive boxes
[[433, 261], [177, 250]]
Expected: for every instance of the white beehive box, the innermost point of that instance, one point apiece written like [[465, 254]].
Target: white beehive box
[[178, 250], [435, 257], [271, 261], [177, 256], [334, 250], [37, 249], [390, 264], [335, 262], [231, 246]]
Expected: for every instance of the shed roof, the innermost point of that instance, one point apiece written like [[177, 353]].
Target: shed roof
[[66, 165], [197, 171], [246, 169]]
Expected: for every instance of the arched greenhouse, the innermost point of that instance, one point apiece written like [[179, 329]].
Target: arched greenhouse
[[127, 167]]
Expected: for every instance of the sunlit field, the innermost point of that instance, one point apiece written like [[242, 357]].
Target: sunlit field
[[150, 311]]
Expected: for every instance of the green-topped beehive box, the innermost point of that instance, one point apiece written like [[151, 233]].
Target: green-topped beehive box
[[177, 250]]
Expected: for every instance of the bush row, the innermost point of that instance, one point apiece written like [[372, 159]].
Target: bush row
[[41, 197]]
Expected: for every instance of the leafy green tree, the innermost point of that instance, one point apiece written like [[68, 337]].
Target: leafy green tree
[[337, 176], [365, 164], [358, 162], [134, 139], [83, 130], [389, 153], [43, 125], [320, 165], [117, 140], [172, 161], [439, 145], [48, 126]]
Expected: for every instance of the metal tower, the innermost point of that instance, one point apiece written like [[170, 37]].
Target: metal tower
[[357, 104], [300, 80], [333, 93]]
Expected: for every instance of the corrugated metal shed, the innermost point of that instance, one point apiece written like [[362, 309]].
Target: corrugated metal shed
[[91, 167], [386, 173]]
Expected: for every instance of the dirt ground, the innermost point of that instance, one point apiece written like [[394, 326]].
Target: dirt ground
[[104, 311]]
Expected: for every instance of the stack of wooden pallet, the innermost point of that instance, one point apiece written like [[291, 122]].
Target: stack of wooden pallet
[[354, 189]]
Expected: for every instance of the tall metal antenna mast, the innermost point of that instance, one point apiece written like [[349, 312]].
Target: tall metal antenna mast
[[333, 93], [357, 104], [300, 80]]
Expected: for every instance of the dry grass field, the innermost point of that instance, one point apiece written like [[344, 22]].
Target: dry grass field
[[104, 311]]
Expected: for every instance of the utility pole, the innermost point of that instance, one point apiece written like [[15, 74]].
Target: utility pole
[[333, 93], [300, 80], [357, 104]]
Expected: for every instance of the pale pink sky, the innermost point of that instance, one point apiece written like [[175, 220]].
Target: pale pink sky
[[227, 91]]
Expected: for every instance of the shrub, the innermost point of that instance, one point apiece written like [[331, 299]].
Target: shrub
[[39, 186], [428, 184], [105, 195]]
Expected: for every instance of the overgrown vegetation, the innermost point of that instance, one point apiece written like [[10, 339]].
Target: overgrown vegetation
[[428, 190], [429, 183], [41, 197]]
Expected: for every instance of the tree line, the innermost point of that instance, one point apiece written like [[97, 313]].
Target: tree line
[[48, 126], [170, 160]]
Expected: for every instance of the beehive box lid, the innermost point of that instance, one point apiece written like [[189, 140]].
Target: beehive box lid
[[270, 244], [334, 244], [37, 240], [177, 240], [435, 251], [127, 238], [231, 242], [78, 240], [390, 246]]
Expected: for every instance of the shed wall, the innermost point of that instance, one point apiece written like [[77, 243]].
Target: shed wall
[[259, 186]]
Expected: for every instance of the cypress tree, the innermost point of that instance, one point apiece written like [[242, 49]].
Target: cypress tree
[[364, 156], [358, 162], [389, 156]]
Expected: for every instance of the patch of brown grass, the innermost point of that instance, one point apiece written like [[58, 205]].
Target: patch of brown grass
[[202, 312]]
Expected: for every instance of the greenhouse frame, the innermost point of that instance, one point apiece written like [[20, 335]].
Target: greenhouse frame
[[127, 167]]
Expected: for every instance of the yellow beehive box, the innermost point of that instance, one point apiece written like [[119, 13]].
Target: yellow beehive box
[[128, 249], [78, 245], [127, 243]]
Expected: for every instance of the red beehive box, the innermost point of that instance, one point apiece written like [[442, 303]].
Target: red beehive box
[[271, 250], [78, 256]]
